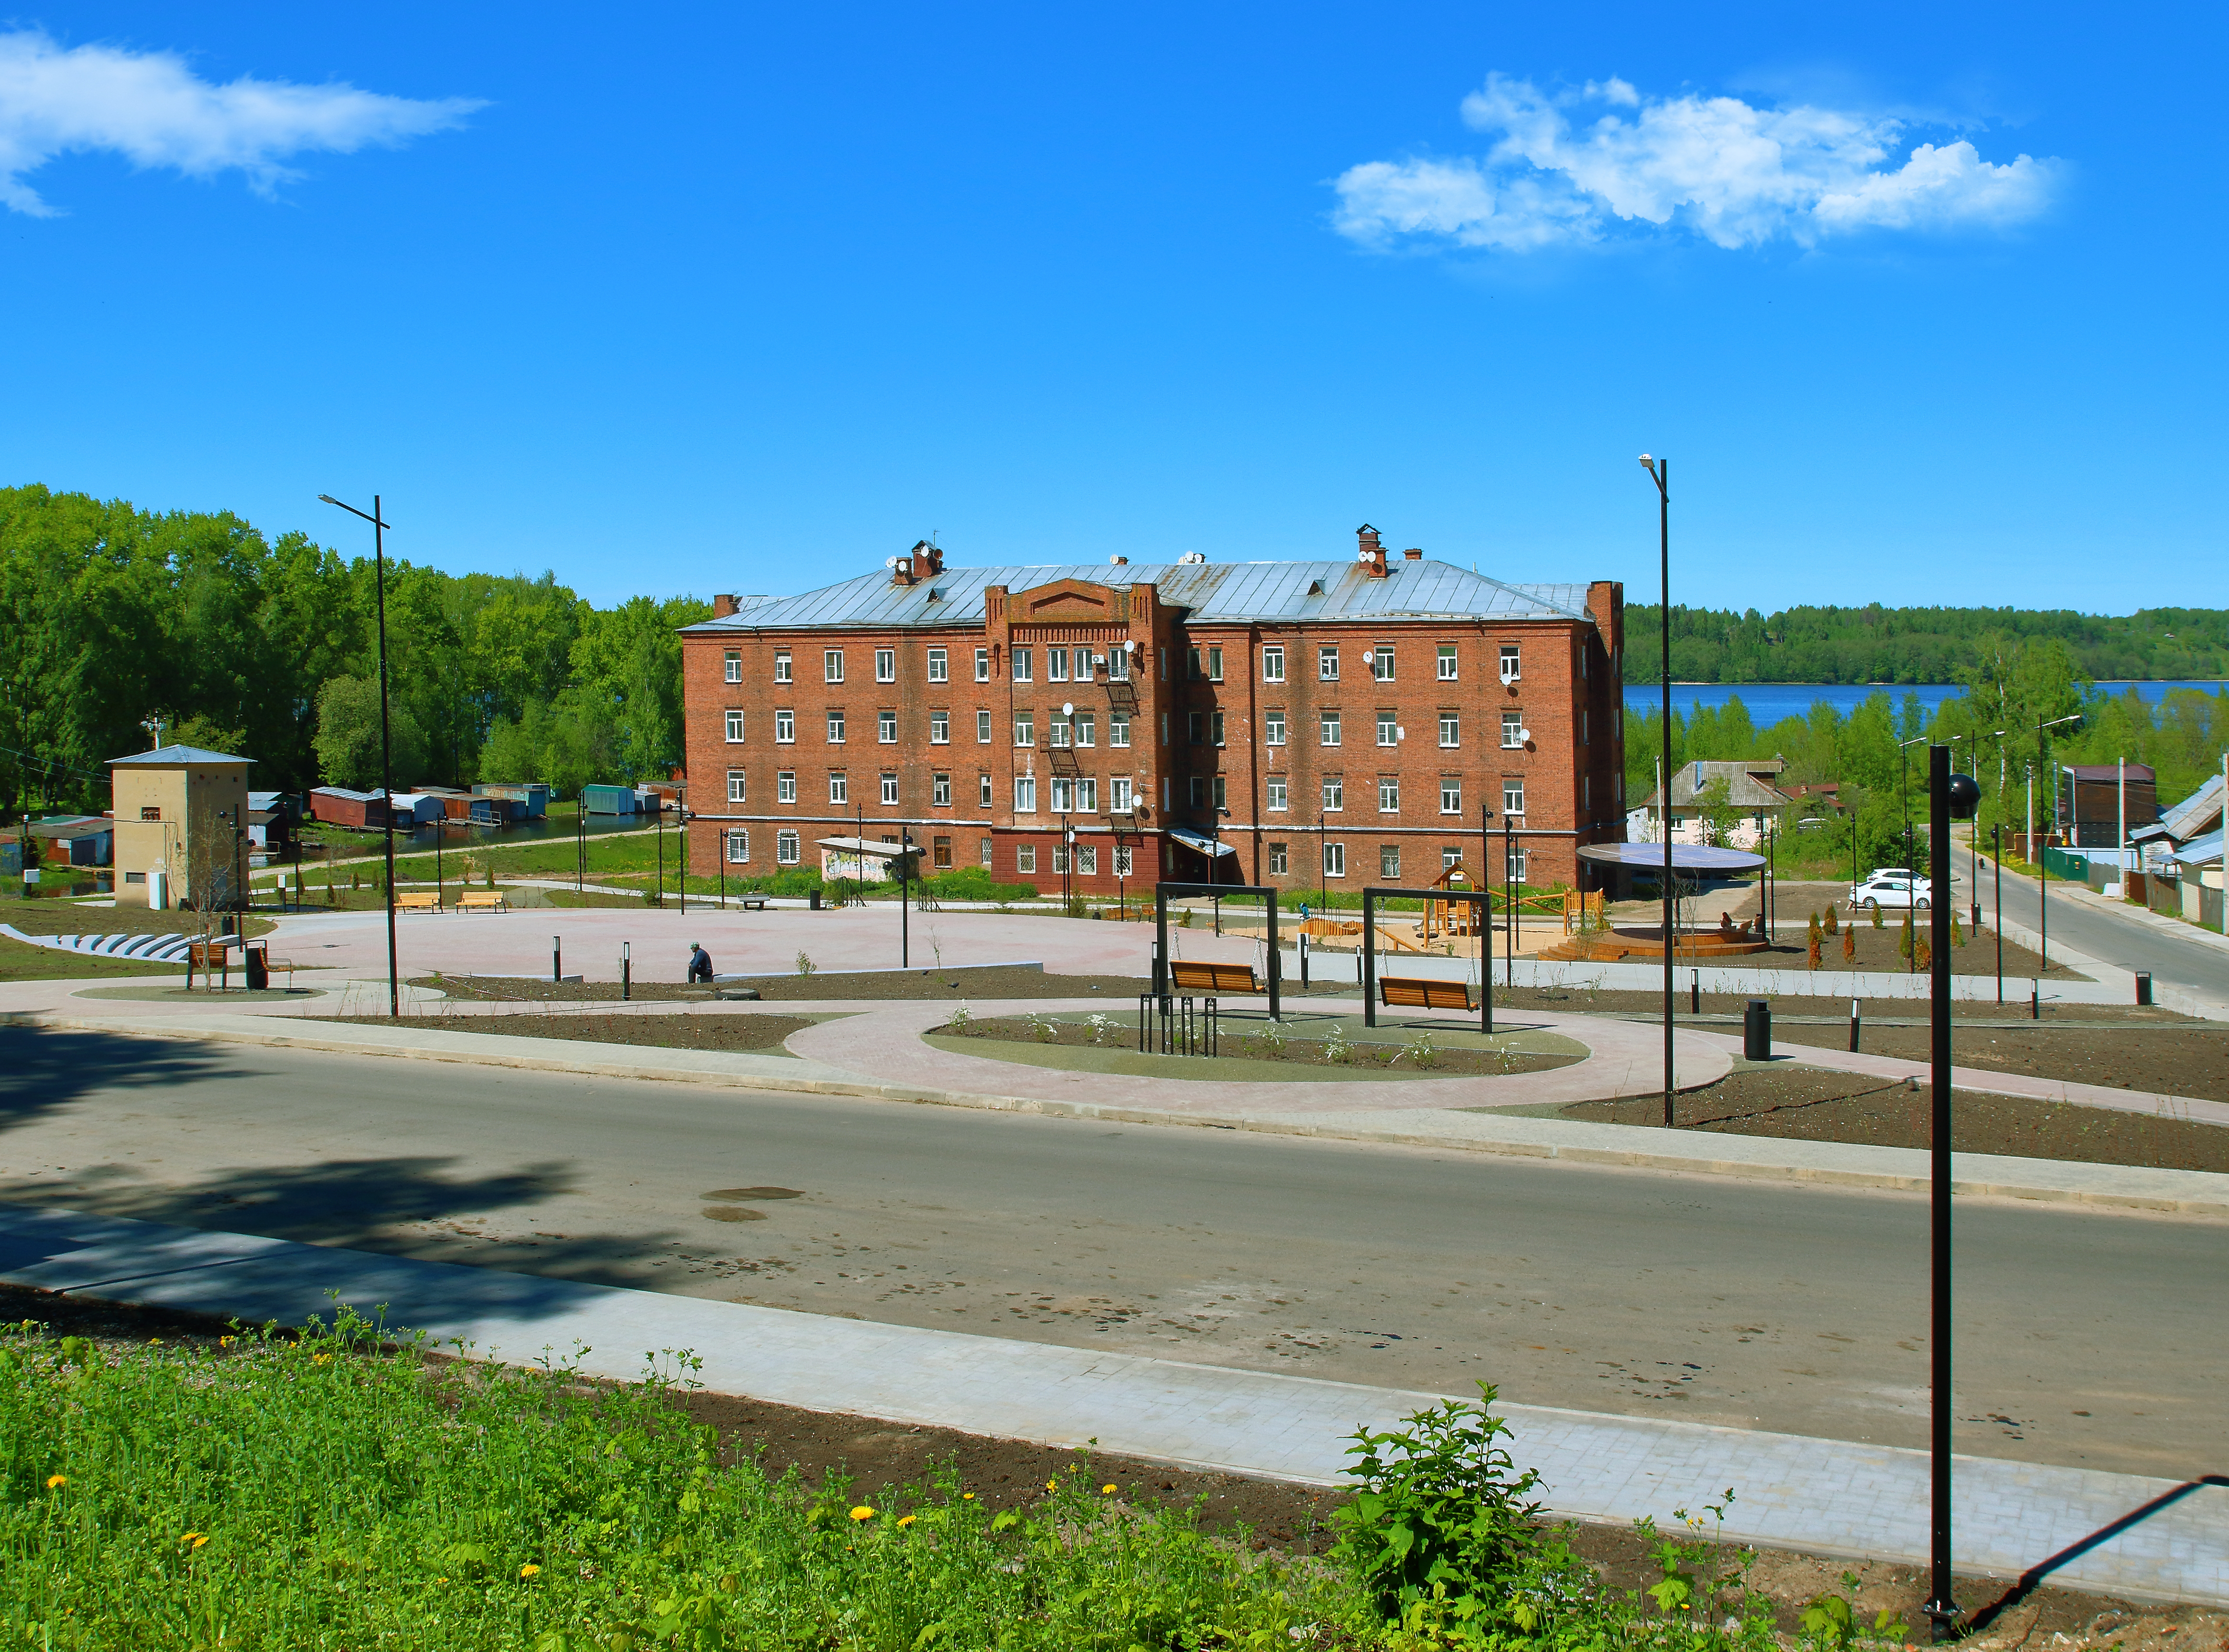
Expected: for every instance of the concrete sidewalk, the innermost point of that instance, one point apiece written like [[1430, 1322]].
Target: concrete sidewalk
[[2122, 1534]]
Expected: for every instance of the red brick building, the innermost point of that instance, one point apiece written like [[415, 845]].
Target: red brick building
[[1296, 723]]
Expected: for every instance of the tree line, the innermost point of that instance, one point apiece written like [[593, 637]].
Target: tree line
[[1895, 646], [113, 617]]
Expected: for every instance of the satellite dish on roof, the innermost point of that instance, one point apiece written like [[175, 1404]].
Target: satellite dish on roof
[[890, 562]]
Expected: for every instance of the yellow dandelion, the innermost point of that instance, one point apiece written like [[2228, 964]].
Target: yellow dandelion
[[321, 1358], [528, 1569], [1052, 1485], [966, 1496], [193, 1540], [862, 1512], [226, 1342], [1108, 1491], [905, 1520], [55, 1482]]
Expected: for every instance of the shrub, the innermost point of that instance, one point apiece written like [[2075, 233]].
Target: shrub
[[804, 964], [1833, 923]]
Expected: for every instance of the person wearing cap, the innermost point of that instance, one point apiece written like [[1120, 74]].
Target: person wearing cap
[[700, 963]]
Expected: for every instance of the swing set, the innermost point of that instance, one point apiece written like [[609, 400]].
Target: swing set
[[1180, 1016], [1426, 992]]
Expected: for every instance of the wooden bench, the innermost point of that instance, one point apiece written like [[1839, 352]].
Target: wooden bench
[[1214, 980], [211, 958], [1418, 992], [486, 900], [416, 903]]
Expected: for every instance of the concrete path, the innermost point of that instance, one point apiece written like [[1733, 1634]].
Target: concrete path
[[2130, 1535]]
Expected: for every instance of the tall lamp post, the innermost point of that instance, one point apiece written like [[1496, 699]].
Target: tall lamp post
[[386, 741], [1486, 929], [2042, 868], [1949, 797], [1910, 872], [1659, 471]]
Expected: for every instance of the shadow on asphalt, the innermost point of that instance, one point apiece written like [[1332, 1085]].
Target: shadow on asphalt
[[43, 1069]]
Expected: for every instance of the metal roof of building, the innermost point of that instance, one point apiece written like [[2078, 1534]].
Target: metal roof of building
[[2194, 814], [167, 756], [1293, 592]]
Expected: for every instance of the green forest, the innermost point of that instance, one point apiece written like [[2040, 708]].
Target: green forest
[[1895, 646], [111, 617]]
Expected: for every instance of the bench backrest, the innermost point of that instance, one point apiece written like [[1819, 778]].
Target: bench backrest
[[204, 955], [1418, 992], [417, 900], [1215, 978], [487, 898]]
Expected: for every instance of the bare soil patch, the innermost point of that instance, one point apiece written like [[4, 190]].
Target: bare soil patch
[[1810, 1104], [954, 986], [1246, 1040], [1580, 1000], [2192, 1059], [878, 1456], [737, 1033]]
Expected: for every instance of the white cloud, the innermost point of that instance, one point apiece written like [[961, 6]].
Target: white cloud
[[153, 110], [1715, 167]]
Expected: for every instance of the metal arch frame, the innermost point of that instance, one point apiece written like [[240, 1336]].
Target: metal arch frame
[[1161, 893], [1480, 897]]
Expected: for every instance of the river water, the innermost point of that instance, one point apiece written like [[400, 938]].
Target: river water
[[1768, 702]]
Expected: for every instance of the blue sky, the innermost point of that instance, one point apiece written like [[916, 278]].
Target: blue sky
[[749, 298]]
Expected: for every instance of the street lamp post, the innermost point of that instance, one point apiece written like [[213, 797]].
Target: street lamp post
[[1509, 890], [386, 741], [1910, 872], [905, 867], [1485, 924], [1659, 471], [1997, 861], [2043, 867]]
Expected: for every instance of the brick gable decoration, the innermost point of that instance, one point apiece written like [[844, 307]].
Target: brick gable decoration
[[1294, 723]]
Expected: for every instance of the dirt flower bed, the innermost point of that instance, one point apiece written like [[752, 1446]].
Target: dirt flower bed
[[1420, 1052], [739, 1033], [1810, 1104], [2188, 1060], [953, 985]]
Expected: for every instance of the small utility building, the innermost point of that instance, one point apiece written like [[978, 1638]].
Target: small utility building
[[181, 817]]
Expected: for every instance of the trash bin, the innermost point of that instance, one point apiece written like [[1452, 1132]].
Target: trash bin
[[813, 900], [2144, 986], [1757, 1030], [258, 969]]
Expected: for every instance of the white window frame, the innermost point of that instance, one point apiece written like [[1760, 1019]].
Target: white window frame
[[839, 787], [983, 790], [1019, 665], [886, 728], [982, 728], [1448, 663], [1450, 730], [886, 664], [982, 664], [1276, 789], [735, 785], [940, 728], [831, 665], [1086, 795], [1055, 664], [1214, 664], [1389, 862], [785, 787], [1214, 726], [1059, 859], [781, 667], [1334, 794], [735, 724], [835, 727], [1334, 859], [1326, 665], [731, 665], [1281, 858], [940, 791], [1389, 728], [1025, 858], [1327, 729], [785, 727], [1025, 793], [1058, 732], [1123, 861], [984, 845], [1450, 795], [1273, 727], [787, 847], [1513, 663], [1118, 794], [1512, 796], [1086, 729], [1087, 860], [1118, 730], [1026, 728], [1118, 663], [939, 665], [1273, 663], [1512, 727], [737, 845], [1381, 663], [1389, 794], [1063, 794], [890, 790]]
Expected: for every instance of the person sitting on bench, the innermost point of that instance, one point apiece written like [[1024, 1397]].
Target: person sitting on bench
[[700, 964]]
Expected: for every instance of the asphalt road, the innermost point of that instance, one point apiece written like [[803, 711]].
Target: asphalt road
[[2086, 1338], [2088, 925]]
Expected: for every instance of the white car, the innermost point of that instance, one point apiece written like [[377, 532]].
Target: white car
[[1892, 888]]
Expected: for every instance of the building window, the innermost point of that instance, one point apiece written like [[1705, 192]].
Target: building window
[[1327, 665], [886, 664], [1055, 664], [1512, 797], [886, 728], [732, 666], [983, 788], [983, 844], [1122, 861], [1450, 795], [839, 787], [1195, 722], [1025, 794], [1273, 665], [735, 727], [1118, 729], [1272, 727], [1026, 728], [940, 791], [1450, 730], [735, 785], [1381, 662], [1025, 858], [1280, 859], [1063, 794], [889, 788], [1059, 858], [1334, 793], [982, 728], [835, 727], [1389, 795], [940, 728], [1330, 728], [785, 848], [1222, 793], [941, 854], [831, 665], [1334, 860], [1450, 858], [149, 812], [1022, 667], [739, 848], [781, 665], [1086, 729], [1447, 662], [785, 787], [1583, 725], [1510, 673], [1389, 862], [982, 664], [1087, 859], [1118, 664], [1118, 801], [1515, 870], [937, 673], [1388, 731], [785, 727], [1198, 789], [1215, 664], [1513, 730], [1215, 720], [1191, 664], [1276, 788], [1057, 731]]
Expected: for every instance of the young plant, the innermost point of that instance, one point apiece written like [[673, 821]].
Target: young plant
[[1046, 1029], [1420, 1052], [963, 1020], [1336, 1048], [805, 965], [1102, 1028]]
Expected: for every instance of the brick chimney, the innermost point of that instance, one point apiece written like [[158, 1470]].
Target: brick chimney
[[722, 605], [926, 559], [1414, 554], [1370, 553]]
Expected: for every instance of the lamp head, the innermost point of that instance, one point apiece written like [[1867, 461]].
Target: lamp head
[[1964, 797], [1648, 463]]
